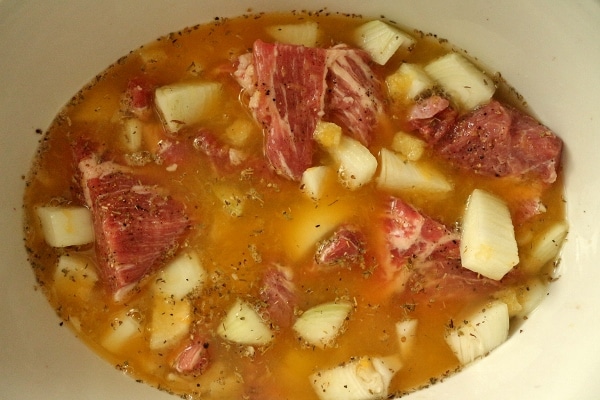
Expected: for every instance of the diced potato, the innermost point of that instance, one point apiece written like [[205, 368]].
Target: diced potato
[[545, 247], [181, 276], [328, 134], [244, 325], [320, 325], [398, 174], [488, 245], [233, 200], [409, 81], [170, 321], [381, 40], [464, 82], [187, 103], [240, 132], [480, 332], [411, 147], [75, 276], [123, 328], [362, 378], [315, 181], [133, 130], [305, 33], [356, 163], [66, 226], [407, 336]]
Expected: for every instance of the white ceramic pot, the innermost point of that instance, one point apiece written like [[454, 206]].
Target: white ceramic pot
[[548, 50]]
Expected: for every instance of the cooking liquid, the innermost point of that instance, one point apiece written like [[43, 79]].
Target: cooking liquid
[[235, 249]]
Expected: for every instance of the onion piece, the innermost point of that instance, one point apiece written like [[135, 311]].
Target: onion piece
[[356, 163], [180, 277], [124, 328], [488, 245], [407, 336], [467, 85], [303, 34], [244, 325], [480, 332], [398, 174], [546, 247], [362, 378], [315, 181], [320, 325], [381, 40]]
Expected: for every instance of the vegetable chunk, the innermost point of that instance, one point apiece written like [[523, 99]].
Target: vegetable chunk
[[187, 103], [244, 325], [320, 325], [398, 174], [488, 245], [480, 332], [304, 34], [66, 226], [381, 40], [361, 378], [467, 85]]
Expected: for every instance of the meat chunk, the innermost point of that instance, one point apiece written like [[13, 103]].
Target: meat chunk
[[345, 246], [286, 84], [137, 225], [500, 141], [194, 357], [278, 292], [292, 87], [494, 140], [433, 117], [423, 257], [355, 95], [138, 97]]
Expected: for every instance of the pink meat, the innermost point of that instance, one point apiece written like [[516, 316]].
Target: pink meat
[[138, 97], [137, 225], [433, 118], [355, 96], [493, 140], [287, 88], [279, 293], [194, 358], [345, 246], [500, 141], [423, 256]]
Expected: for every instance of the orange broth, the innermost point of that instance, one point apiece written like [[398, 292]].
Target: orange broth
[[235, 249]]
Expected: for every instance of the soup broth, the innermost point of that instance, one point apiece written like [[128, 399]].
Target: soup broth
[[243, 221]]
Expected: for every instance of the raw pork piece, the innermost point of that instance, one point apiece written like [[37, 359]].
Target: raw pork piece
[[138, 98], [346, 247], [423, 257], [279, 294], [193, 358], [355, 96], [493, 140], [292, 87], [137, 225], [286, 84], [224, 159], [433, 118]]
